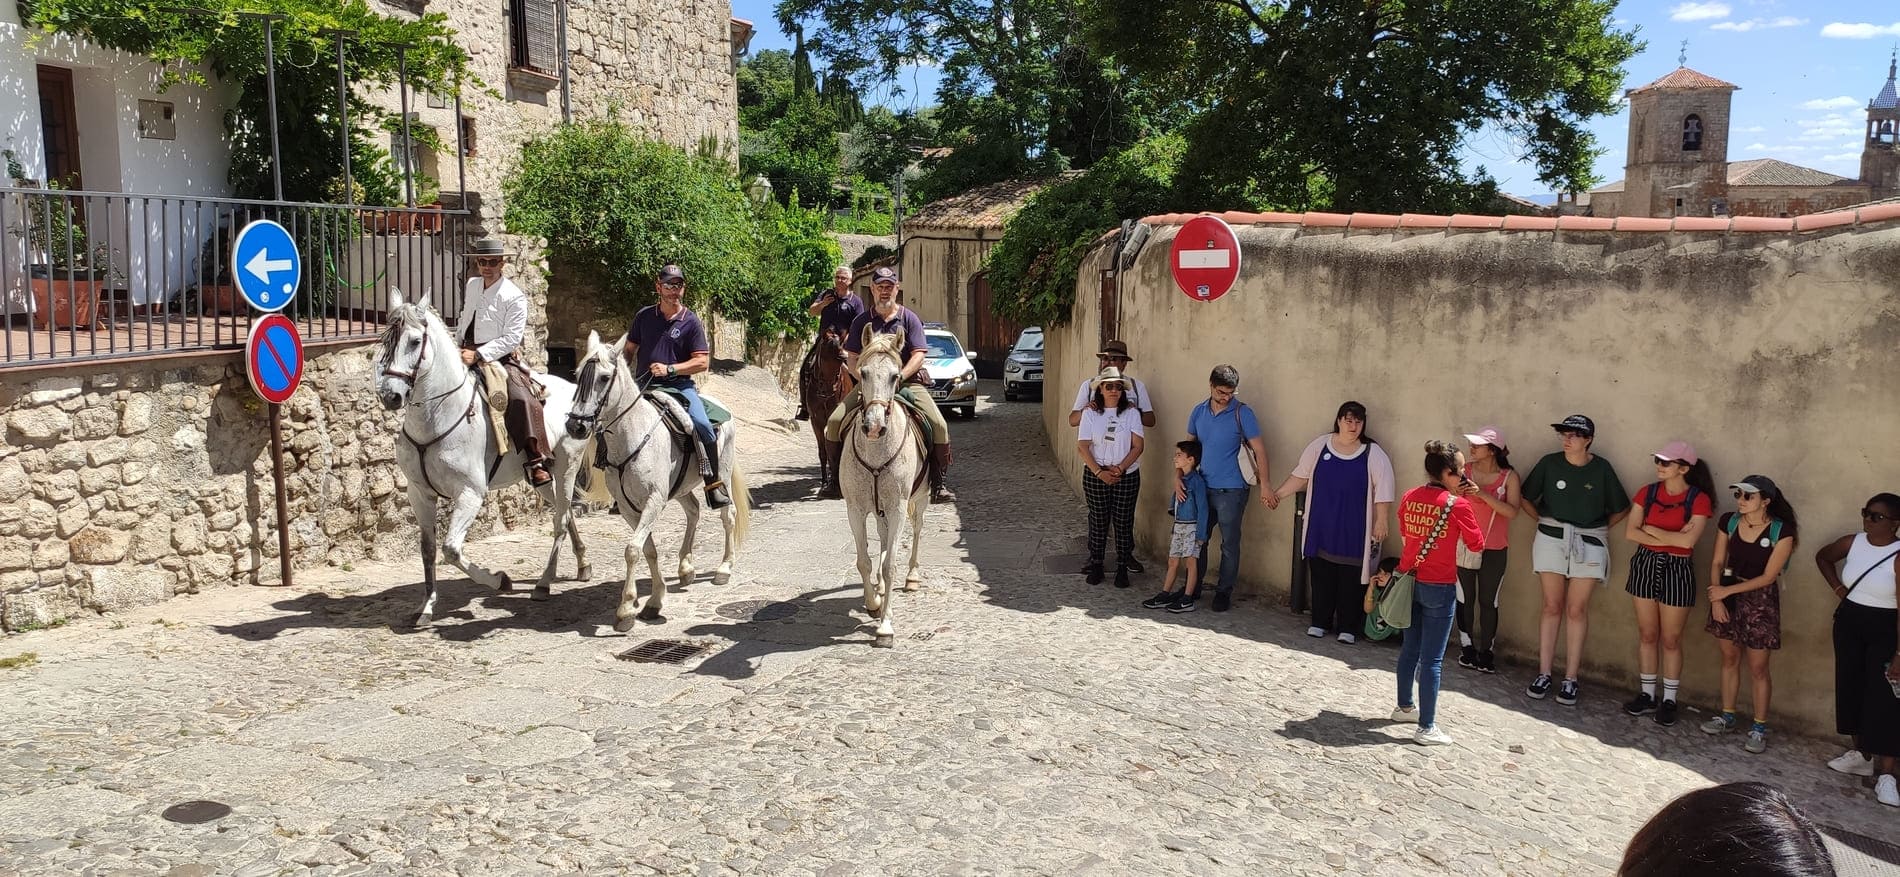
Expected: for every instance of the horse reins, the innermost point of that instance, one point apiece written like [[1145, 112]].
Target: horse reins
[[601, 431], [877, 472], [468, 416]]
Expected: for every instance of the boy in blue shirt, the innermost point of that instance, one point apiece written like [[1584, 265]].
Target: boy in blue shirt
[[1191, 526]]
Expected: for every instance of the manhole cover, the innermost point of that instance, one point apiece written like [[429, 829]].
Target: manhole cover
[[194, 812], [1064, 564], [757, 610], [663, 651]]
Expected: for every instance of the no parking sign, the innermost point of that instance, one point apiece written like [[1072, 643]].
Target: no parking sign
[[273, 358]]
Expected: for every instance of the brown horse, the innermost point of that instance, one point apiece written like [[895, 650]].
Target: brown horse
[[821, 384]]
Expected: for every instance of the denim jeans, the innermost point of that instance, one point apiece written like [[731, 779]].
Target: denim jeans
[[1225, 507], [1423, 655], [697, 411]]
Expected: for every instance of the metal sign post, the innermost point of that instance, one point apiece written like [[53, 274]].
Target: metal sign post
[[267, 268]]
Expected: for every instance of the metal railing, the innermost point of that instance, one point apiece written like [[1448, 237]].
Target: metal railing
[[100, 275]]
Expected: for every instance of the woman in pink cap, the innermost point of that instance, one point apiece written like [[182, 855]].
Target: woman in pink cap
[[1481, 573], [1666, 520]]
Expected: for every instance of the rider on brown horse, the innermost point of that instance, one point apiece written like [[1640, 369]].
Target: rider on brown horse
[[836, 309]]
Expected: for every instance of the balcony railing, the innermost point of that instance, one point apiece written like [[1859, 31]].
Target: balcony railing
[[102, 275]]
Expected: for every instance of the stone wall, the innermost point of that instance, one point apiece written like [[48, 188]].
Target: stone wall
[[124, 484], [1794, 200], [1772, 353]]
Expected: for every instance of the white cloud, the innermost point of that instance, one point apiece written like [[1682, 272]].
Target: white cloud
[[1699, 11], [1832, 103], [1845, 156], [1752, 129], [1860, 30], [1759, 24]]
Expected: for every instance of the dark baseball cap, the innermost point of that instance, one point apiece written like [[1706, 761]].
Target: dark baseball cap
[[1761, 484], [1577, 423], [672, 272], [884, 273]]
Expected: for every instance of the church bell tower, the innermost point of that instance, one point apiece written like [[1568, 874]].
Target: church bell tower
[[1880, 158]]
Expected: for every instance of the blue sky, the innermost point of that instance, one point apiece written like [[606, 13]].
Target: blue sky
[[1806, 72]]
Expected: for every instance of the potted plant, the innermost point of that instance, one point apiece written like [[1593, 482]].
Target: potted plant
[[63, 274]]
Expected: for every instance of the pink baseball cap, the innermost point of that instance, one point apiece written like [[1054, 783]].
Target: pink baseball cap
[[1677, 451], [1487, 436]]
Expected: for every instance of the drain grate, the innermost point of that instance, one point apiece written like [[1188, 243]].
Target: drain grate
[[757, 610], [195, 812], [663, 651], [1873, 848]]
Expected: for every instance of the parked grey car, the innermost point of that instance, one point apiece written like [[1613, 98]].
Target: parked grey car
[[1022, 372]]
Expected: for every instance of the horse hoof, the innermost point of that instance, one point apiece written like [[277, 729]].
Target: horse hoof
[[649, 614], [541, 595], [913, 584], [507, 584], [584, 574], [721, 578], [420, 622], [623, 625], [884, 641]]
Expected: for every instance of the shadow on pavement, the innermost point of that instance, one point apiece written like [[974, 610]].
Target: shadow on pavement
[[817, 624]]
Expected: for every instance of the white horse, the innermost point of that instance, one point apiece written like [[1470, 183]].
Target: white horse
[[646, 468], [882, 471], [447, 450]]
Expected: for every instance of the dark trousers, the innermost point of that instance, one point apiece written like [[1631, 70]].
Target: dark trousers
[[1111, 508], [1225, 508], [1478, 591], [1339, 598], [527, 428], [1864, 705]]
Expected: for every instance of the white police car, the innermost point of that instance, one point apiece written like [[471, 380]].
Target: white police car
[[952, 371]]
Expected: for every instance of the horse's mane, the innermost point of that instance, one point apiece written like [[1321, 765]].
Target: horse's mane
[[608, 354]]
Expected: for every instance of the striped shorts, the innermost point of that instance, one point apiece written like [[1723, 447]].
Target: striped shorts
[[1668, 579]]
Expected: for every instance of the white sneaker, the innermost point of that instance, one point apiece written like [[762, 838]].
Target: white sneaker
[[1348, 638], [1406, 714], [1432, 736], [1886, 791], [1316, 631], [1853, 763]]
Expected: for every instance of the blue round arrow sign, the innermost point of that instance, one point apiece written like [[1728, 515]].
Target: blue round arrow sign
[[266, 265]]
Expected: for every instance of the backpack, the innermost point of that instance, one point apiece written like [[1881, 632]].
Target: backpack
[[1735, 521], [1688, 502]]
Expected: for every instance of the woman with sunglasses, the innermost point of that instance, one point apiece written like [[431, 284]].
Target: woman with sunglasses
[[1860, 569], [1745, 597], [1666, 521], [1109, 441], [1575, 497]]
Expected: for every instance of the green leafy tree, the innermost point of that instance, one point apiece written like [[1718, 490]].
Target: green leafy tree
[[232, 47], [1365, 104]]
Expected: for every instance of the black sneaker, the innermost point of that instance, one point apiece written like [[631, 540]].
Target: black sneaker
[[1567, 692], [1184, 603], [1643, 705], [1468, 658], [1222, 602], [1159, 601], [1134, 566], [1539, 687], [1488, 663], [1093, 574], [1666, 714], [1121, 578]]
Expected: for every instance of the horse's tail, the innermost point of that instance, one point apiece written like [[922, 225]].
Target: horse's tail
[[741, 505], [593, 482]]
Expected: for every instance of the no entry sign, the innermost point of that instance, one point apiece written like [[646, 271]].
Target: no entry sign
[[273, 358], [1205, 258]]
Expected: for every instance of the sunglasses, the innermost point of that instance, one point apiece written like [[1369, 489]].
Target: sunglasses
[[674, 284], [1747, 494], [1876, 517], [486, 263]]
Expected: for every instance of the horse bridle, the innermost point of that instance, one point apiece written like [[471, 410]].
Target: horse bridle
[[877, 472], [409, 377], [582, 386]]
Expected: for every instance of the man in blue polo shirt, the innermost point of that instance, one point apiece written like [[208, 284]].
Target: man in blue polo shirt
[[1223, 425], [887, 317], [836, 309], [667, 345]]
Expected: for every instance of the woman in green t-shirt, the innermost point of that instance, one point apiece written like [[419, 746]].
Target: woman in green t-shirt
[[1575, 496]]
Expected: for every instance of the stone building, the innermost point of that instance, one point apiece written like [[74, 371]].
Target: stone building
[[1677, 161], [945, 245]]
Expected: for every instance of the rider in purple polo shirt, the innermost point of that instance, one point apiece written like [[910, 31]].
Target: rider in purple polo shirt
[[667, 345], [887, 317]]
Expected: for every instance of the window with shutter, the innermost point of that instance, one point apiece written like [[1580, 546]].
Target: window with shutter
[[531, 31]]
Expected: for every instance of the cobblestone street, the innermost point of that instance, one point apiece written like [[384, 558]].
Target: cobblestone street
[[1025, 723]]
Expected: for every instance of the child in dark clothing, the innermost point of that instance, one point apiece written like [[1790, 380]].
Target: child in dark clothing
[[1191, 525]]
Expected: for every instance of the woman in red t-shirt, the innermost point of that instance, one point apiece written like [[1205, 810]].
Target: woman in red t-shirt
[[1666, 521], [1433, 518]]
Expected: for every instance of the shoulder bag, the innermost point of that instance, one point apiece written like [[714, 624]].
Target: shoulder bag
[[1392, 605], [1244, 457]]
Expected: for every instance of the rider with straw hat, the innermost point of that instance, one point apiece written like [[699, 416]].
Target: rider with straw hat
[[492, 326]]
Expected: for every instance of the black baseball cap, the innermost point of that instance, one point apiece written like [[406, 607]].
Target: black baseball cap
[[1761, 484], [1577, 423], [884, 273], [672, 272]]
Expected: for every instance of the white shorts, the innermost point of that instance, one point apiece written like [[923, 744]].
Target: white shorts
[[1585, 556]]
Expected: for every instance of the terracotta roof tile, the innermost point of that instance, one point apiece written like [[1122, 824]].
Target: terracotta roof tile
[[982, 207], [1775, 172], [1683, 77], [1875, 212]]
